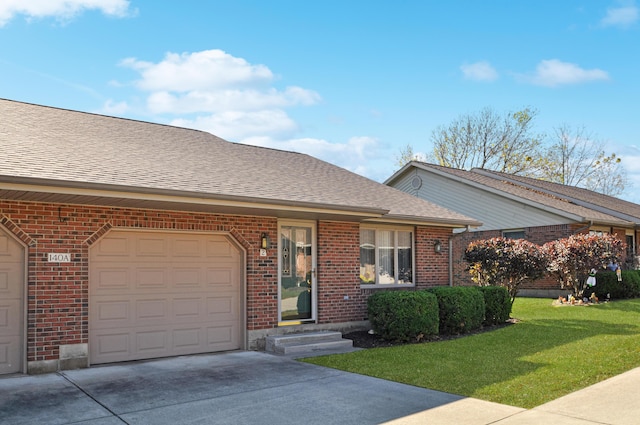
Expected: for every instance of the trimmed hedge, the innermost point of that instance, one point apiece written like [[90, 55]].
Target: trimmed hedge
[[403, 315], [461, 308], [497, 304], [607, 283]]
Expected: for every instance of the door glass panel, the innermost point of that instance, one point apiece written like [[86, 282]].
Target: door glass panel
[[405, 258], [367, 256], [296, 280], [386, 252]]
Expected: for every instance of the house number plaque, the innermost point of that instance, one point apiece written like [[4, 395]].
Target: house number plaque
[[57, 257]]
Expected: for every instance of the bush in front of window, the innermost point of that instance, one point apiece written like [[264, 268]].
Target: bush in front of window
[[608, 286], [497, 304], [403, 315], [461, 308]]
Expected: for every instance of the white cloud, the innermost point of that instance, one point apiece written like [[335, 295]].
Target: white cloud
[[62, 10], [227, 96], [114, 108], [479, 71], [212, 80], [356, 154], [630, 156], [239, 125], [226, 99], [206, 70], [552, 73], [623, 16], [216, 92]]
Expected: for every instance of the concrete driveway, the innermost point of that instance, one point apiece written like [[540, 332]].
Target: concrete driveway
[[258, 388], [232, 388]]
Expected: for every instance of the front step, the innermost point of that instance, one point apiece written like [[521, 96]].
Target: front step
[[307, 343]]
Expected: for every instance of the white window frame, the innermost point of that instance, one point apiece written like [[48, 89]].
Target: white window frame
[[395, 229]]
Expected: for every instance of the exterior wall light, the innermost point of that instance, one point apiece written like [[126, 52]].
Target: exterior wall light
[[437, 246], [264, 241]]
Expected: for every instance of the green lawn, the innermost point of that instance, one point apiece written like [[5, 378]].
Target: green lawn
[[550, 352]]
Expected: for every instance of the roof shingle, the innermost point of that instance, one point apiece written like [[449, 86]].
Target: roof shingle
[[66, 147]]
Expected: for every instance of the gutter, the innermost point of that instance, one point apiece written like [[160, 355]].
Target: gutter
[[467, 230], [588, 226]]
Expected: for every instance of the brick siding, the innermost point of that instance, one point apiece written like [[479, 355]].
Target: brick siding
[[57, 293], [538, 235]]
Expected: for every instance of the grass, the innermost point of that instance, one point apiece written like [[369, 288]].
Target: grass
[[550, 352]]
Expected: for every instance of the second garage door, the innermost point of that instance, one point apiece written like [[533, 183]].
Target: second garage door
[[159, 294]]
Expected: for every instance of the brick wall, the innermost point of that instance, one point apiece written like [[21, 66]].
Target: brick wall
[[57, 293], [339, 295], [432, 268], [538, 235]]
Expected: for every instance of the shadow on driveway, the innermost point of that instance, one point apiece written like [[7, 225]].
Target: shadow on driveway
[[240, 388]]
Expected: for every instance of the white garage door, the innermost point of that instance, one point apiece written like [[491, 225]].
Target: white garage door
[[11, 303], [159, 294]]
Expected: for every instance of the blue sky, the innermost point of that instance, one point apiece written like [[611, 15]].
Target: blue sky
[[348, 81]]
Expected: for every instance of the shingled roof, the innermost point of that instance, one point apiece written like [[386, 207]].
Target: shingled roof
[[58, 155], [577, 195], [584, 204]]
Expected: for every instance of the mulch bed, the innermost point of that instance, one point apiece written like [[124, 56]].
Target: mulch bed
[[363, 339]]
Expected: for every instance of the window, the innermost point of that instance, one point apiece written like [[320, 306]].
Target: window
[[386, 256], [513, 234], [630, 246]]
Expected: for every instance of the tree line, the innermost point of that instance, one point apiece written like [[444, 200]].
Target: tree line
[[508, 143]]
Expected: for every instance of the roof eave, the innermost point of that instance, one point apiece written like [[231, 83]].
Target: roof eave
[[147, 194], [425, 221]]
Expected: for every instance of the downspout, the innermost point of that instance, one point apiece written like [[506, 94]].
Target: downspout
[[467, 230], [588, 226]]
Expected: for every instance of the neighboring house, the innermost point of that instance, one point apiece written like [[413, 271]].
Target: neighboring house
[[124, 240], [518, 207]]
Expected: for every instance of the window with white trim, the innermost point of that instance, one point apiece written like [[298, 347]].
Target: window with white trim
[[386, 256]]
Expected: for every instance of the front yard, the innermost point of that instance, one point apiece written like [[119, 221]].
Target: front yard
[[550, 351]]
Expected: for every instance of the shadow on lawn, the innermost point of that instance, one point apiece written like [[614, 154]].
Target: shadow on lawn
[[493, 357], [527, 347]]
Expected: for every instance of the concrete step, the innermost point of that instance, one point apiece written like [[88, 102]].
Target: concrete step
[[307, 342]]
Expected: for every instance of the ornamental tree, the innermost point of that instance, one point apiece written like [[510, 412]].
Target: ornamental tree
[[505, 262], [570, 259]]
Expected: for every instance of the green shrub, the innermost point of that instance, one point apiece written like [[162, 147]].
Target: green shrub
[[607, 283], [497, 304], [461, 308], [403, 315]]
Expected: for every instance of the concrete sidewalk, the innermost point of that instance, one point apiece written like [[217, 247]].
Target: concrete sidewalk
[[254, 387]]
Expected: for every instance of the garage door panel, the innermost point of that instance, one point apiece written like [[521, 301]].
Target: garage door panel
[[11, 280], [116, 279], [10, 354], [221, 306], [188, 338], [221, 277], [152, 341], [109, 314], [181, 301], [152, 247], [12, 284], [189, 248], [220, 336], [220, 249], [185, 278], [112, 246], [155, 310], [188, 309], [147, 278]]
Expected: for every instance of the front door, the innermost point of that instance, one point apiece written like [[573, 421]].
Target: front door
[[297, 266]]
